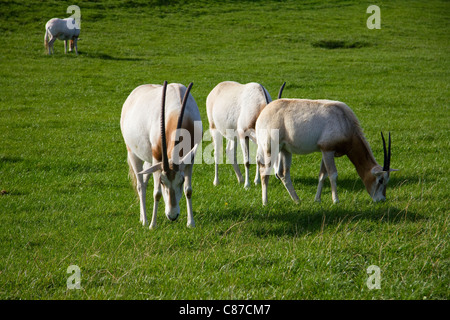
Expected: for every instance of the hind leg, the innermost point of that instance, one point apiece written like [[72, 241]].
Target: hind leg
[[75, 45], [50, 44], [217, 140], [323, 174], [245, 151], [141, 184], [232, 155]]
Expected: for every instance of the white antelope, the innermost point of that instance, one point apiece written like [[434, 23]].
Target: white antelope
[[305, 126], [62, 29], [232, 110], [162, 145]]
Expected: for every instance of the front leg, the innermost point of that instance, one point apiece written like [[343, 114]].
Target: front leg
[[328, 160], [245, 151], [75, 45], [232, 156], [188, 194], [65, 46], [284, 172], [157, 193], [322, 176]]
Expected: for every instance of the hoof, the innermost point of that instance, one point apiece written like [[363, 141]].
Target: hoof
[[191, 224]]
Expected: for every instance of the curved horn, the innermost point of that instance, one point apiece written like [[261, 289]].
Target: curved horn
[[265, 94], [281, 90], [183, 105], [165, 158], [387, 155], [180, 117]]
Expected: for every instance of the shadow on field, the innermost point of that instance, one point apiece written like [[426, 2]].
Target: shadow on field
[[313, 218], [105, 56], [351, 184], [344, 184], [299, 222]]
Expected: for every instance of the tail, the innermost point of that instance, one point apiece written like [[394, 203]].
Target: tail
[[132, 175], [46, 40]]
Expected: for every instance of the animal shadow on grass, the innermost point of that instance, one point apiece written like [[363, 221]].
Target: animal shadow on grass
[[312, 217], [105, 56], [309, 217], [299, 222]]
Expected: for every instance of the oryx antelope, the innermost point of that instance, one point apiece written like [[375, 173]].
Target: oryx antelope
[[232, 110], [303, 126], [62, 29], [162, 131]]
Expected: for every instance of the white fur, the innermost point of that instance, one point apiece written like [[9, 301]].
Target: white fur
[[232, 110], [141, 129], [59, 29], [304, 126]]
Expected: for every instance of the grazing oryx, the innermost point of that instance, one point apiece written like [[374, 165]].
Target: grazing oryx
[[162, 145], [233, 108], [62, 29], [304, 126]]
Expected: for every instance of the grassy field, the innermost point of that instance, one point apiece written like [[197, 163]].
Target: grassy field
[[66, 198]]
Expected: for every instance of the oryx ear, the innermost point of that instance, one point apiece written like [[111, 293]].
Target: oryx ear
[[154, 168], [189, 158], [390, 170], [378, 172]]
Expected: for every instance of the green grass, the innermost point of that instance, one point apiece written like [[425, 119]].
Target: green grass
[[63, 161]]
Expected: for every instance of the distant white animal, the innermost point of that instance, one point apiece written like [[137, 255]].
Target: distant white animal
[[303, 126], [232, 110], [62, 29], [162, 145]]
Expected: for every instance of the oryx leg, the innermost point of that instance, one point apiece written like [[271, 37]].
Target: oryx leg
[[141, 184], [157, 193], [232, 155], [245, 151], [217, 140], [75, 45], [330, 166], [278, 167], [188, 194], [264, 160], [50, 44], [257, 174], [65, 46], [264, 182], [252, 136], [323, 174], [284, 173]]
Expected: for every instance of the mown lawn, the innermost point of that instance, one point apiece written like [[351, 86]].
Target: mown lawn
[[66, 198]]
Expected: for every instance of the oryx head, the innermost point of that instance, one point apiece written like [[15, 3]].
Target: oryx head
[[172, 170], [381, 175]]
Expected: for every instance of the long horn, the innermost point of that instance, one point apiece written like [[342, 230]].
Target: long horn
[[387, 154], [165, 158], [265, 94], [281, 90], [183, 105], [180, 118]]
